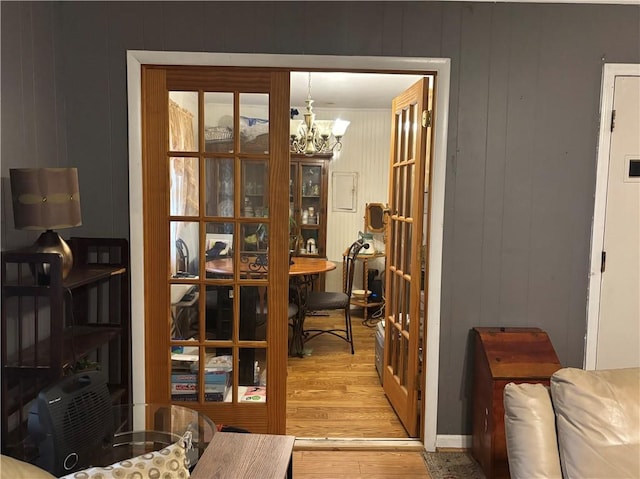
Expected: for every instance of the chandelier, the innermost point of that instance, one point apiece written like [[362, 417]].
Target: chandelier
[[311, 136]]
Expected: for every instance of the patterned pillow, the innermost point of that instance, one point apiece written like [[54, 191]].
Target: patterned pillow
[[168, 463]]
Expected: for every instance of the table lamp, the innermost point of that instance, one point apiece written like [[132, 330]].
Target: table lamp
[[47, 199]]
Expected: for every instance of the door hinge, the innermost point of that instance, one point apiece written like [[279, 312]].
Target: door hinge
[[613, 119], [426, 118], [603, 261]]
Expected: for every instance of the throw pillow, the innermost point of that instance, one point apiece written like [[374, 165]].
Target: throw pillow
[[168, 463]]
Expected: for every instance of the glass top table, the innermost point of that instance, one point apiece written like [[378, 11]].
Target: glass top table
[[142, 428]]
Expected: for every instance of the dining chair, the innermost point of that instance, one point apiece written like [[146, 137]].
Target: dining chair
[[333, 301], [262, 310]]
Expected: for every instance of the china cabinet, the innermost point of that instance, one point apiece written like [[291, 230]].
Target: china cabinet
[[308, 185]]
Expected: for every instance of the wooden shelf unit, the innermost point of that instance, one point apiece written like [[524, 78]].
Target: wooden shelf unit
[[48, 328], [365, 303]]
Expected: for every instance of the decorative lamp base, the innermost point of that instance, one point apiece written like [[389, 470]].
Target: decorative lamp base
[[51, 242]]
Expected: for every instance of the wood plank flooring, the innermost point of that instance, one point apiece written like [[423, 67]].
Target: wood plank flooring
[[359, 465], [332, 393]]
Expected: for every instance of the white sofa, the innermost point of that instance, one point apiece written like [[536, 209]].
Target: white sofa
[[585, 425]]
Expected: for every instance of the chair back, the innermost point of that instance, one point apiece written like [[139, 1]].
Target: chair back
[[349, 264]]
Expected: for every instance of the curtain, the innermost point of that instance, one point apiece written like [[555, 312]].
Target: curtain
[[184, 171], [183, 177]]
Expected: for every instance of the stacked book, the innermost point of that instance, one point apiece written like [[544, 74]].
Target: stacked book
[[184, 387]]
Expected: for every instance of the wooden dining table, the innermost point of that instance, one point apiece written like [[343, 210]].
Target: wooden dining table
[[302, 271]]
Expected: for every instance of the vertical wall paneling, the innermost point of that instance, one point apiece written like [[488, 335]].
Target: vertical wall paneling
[[469, 187], [365, 150], [124, 33], [361, 39], [451, 48], [525, 84], [495, 161], [421, 26], [522, 122], [87, 90]]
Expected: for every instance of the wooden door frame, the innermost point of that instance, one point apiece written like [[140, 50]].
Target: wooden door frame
[[609, 73], [441, 66]]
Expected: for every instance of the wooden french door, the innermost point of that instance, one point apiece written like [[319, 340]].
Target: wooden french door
[[215, 189], [408, 232]]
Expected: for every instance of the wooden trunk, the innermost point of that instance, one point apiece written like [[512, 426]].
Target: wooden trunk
[[501, 356]]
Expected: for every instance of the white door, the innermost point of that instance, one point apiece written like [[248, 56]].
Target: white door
[[618, 335]]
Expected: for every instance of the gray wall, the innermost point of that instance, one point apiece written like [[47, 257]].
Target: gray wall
[[522, 131]]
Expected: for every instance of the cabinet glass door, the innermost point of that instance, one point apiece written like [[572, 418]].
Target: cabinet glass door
[[311, 193]]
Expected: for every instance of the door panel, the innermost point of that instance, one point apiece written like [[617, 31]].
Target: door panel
[[215, 168], [619, 328], [410, 149]]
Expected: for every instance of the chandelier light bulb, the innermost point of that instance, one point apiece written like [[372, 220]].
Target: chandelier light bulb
[[311, 136]]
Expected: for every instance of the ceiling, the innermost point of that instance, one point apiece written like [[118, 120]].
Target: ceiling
[[348, 90]]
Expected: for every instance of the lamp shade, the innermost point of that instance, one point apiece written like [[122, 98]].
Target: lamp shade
[[340, 127], [45, 198]]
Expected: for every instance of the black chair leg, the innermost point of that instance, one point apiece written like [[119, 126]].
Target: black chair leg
[[348, 329]]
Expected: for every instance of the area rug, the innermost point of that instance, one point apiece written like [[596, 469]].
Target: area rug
[[452, 465]]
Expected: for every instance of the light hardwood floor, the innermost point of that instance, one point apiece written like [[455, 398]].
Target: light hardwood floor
[[359, 465], [332, 393]]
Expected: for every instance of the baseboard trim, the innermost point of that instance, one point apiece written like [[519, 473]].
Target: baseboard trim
[[453, 441], [356, 444]]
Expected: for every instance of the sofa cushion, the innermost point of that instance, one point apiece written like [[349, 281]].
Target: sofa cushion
[[598, 418], [11, 468], [170, 462], [530, 432]]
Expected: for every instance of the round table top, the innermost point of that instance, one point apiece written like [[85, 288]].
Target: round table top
[[302, 265]]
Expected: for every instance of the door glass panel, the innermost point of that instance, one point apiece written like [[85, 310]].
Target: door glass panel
[[406, 318], [252, 374], [254, 237], [410, 189], [218, 371], [184, 250], [254, 123], [183, 120], [218, 249], [184, 311], [398, 138], [406, 135], [184, 372], [394, 356], [413, 131], [253, 313], [399, 189], [184, 191], [403, 370], [397, 242], [219, 186], [218, 122], [255, 188], [219, 312]]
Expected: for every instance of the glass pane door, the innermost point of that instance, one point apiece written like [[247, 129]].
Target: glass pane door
[[215, 164]]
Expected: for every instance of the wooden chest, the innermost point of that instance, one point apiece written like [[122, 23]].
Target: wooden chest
[[501, 356]]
